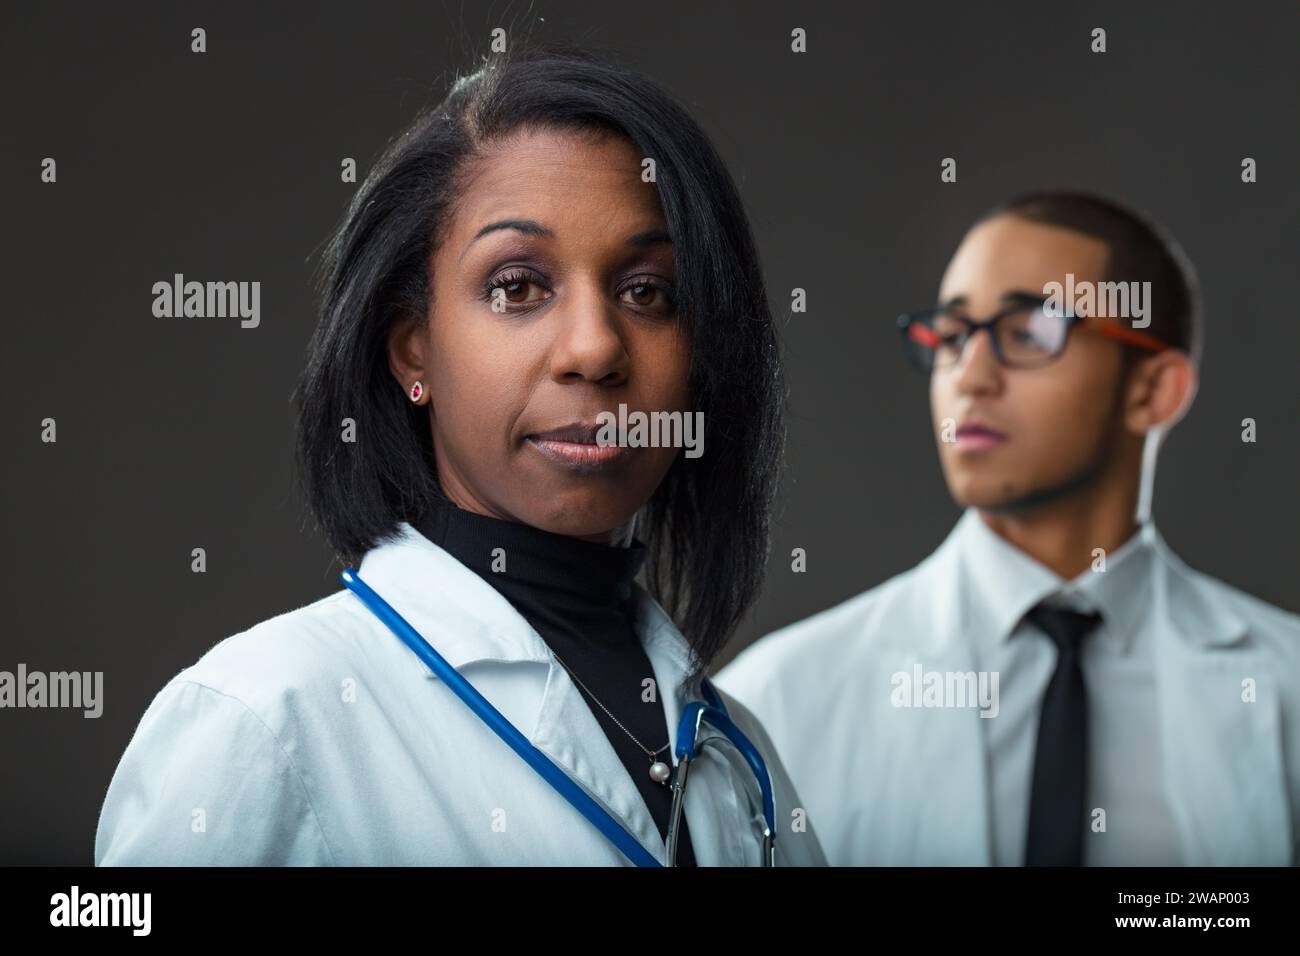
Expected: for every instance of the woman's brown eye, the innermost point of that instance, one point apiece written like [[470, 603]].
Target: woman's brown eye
[[644, 293], [512, 291], [512, 288]]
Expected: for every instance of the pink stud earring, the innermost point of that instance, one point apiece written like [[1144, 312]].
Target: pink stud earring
[[417, 389]]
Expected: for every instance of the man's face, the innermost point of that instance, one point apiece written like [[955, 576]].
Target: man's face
[[1046, 431]]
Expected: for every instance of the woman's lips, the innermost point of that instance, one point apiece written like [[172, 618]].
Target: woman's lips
[[580, 454]]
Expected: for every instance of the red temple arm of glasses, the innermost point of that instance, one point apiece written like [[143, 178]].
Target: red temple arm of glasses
[[1124, 334], [919, 333]]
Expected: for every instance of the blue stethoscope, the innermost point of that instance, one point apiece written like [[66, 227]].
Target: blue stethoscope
[[694, 715]]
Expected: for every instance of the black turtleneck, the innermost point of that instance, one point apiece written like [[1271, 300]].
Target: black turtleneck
[[579, 598]]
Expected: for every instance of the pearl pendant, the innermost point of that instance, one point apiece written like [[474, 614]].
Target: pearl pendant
[[660, 772]]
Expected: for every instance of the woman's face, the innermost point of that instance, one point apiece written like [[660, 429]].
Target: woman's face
[[553, 301]]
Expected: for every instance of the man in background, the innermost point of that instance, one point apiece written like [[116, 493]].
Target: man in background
[[1052, 686]]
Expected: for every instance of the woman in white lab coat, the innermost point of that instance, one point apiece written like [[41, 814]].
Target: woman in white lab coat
[[554, 242]]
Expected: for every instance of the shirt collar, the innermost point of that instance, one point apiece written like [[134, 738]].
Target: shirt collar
[[1006, 583]]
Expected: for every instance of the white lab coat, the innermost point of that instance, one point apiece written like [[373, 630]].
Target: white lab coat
[[317, 737], [896, 787]]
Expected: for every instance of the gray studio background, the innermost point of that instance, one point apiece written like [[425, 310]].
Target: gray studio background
[[177, 433]]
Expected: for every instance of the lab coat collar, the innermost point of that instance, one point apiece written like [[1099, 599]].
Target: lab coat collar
[[474, 622], [468, 622], [455, 610], [1198, 621]]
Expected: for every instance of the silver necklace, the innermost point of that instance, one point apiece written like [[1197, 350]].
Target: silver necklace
[[659, 771]]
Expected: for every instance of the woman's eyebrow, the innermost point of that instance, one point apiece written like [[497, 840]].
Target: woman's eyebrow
[[529, 227], [649, 238]]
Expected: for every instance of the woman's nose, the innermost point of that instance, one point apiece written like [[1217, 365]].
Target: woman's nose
[[588, 343]]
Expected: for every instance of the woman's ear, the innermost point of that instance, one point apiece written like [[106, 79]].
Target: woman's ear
[[1160, 391], [408, 354]]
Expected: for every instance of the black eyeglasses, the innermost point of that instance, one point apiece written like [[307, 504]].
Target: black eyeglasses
[[1025, 334]]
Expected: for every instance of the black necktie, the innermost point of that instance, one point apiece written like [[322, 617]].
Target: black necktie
[[1057, 817]]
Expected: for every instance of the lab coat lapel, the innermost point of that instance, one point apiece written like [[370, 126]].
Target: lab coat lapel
[[1223, 756], [570, 735], [713, 810], [935, 795], [723, 832]]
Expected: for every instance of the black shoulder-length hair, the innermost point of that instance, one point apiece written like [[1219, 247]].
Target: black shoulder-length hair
[[706, 528]]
